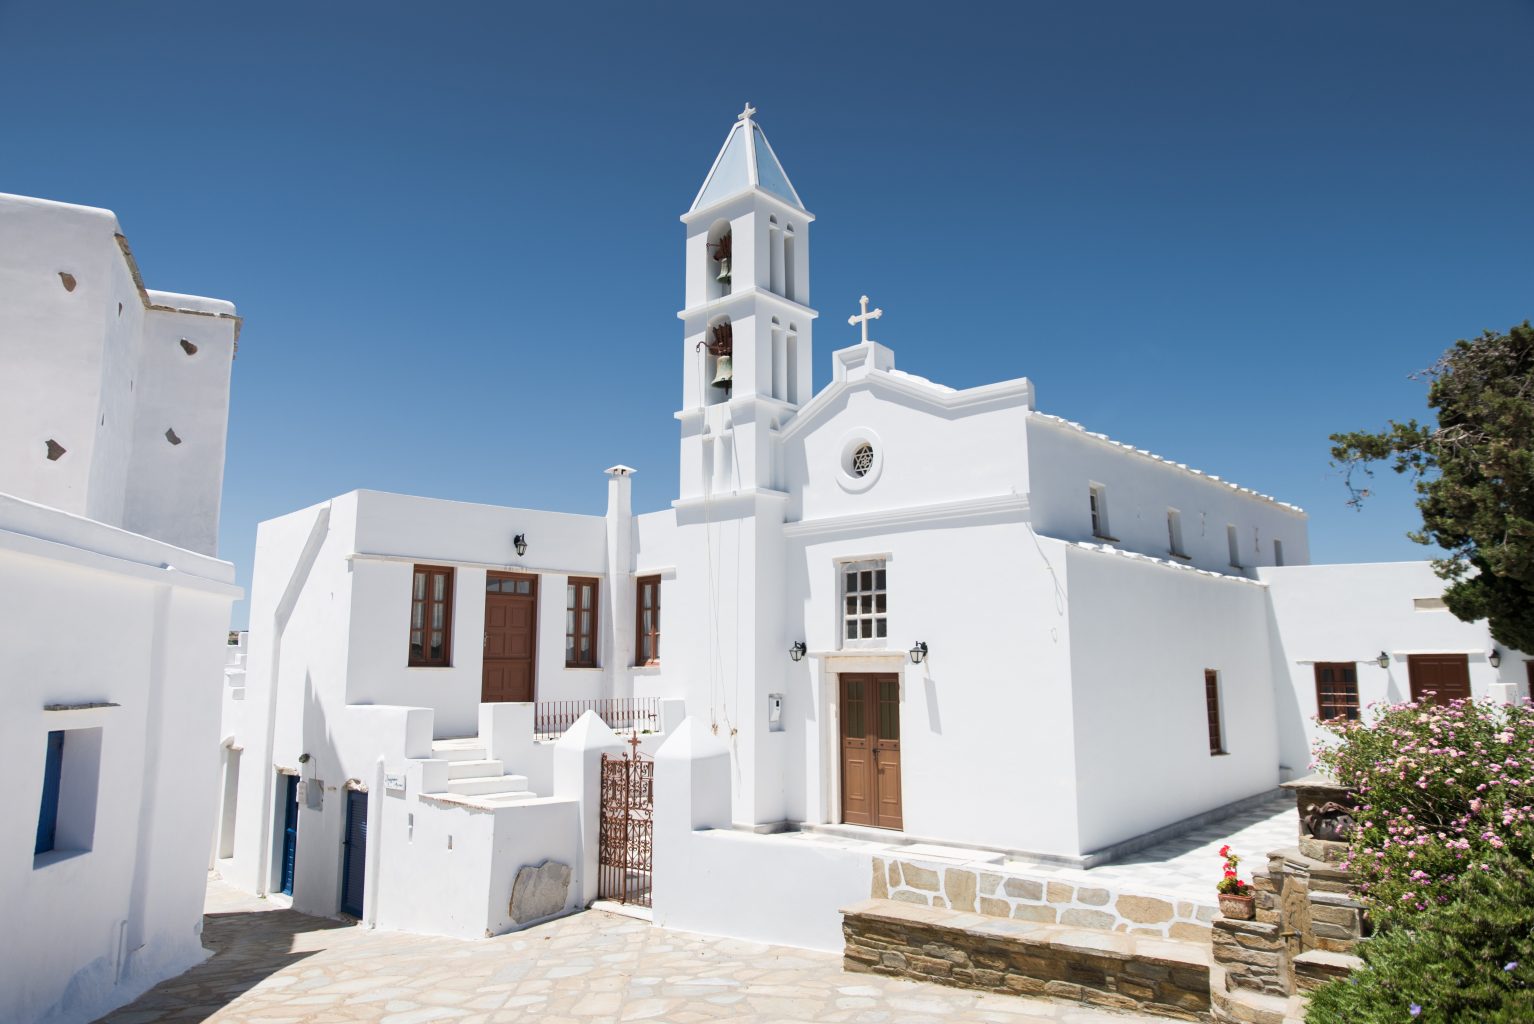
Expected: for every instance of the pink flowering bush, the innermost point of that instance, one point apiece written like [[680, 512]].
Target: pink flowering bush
[[1442, 790]]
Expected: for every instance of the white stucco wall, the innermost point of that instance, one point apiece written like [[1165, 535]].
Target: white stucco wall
[[1141, 637], [1064, 461], [90, 614], [106, 376], [1352, 612]]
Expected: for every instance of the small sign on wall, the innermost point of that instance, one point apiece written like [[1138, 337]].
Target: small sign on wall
[[394, 783]]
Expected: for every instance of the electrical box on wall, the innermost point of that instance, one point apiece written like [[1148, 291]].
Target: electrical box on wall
[[775, 712]]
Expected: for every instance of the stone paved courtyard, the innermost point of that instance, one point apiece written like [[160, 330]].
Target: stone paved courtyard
[[274, 966], [1186, 866]]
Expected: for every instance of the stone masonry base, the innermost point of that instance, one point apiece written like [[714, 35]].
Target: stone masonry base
[[972, 950]]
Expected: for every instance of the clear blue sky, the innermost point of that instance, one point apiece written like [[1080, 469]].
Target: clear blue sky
[[1220, 231]]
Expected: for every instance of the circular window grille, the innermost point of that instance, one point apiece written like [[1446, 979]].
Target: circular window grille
[[862, 459]]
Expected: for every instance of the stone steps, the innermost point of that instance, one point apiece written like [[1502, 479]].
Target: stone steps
[[1315, 967], [476, 779], [970, 950]]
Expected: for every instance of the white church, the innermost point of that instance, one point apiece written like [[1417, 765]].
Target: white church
[[904, 610], [889, 612]]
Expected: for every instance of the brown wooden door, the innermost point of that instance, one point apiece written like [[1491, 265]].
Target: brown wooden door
[[511, 631], [870, 715], [1448, 675]]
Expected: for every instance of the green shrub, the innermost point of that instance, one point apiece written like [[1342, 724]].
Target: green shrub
[[1467, 961]]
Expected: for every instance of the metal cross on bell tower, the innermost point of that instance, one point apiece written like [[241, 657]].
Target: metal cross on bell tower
[[864, 317]]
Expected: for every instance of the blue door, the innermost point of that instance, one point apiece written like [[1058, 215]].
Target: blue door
[[289, 830], [354, 852]]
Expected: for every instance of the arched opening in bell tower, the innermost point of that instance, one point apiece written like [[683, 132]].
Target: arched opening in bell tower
[[716, 267], [718, 349]]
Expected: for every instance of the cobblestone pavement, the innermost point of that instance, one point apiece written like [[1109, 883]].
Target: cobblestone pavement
[[275, 966]]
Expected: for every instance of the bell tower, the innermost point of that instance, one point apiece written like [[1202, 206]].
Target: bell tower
[[746, 361], [747, 320]]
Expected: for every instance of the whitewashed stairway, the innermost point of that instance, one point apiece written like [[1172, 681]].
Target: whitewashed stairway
[[474, 779]]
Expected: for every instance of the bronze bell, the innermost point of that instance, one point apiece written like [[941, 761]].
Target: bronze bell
[[724, 374], [724, 270]]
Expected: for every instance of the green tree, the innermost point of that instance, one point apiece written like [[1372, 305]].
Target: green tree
[[1474, 474]]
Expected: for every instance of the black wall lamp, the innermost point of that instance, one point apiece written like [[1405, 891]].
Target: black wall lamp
[[520, 543], [919, 652], [1383, 661], [797, 651], [1495, 657]]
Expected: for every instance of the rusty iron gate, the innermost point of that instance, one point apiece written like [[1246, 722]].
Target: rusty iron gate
[[626, 847]]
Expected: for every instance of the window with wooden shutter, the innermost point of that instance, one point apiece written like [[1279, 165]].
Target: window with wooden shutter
[[1212, 705], [581, 622], [431, 616], [647, 621], [1337, 690]]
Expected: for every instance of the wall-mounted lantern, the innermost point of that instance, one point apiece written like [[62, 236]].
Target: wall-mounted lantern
[[919, 652], [797, 651], [1495, 657], [520, 543], [1383, 661]]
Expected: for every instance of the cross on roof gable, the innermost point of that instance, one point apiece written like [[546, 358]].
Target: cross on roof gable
[[745, 161]]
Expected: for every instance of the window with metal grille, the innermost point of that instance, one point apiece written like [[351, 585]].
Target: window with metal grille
[[431, 616], [1212, 705], [581, 622], [1337, 690], [864, 622], [647, 621]]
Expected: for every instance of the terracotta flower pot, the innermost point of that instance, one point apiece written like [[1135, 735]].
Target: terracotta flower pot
[[1237, 908]]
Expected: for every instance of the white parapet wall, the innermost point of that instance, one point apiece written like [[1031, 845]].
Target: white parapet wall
[[711, 879]]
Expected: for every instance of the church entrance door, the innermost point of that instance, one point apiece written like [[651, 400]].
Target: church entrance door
[[870, 716], [511, 636]]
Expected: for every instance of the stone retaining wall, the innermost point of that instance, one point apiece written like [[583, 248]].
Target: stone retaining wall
[[984, 889], [1306, 928], [972, 950]]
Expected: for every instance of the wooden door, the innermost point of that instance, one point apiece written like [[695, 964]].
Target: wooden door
[[1448, 675], [870, 716], [511, 636]]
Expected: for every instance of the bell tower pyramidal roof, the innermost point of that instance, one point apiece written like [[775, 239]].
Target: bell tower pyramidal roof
[[745, 161]]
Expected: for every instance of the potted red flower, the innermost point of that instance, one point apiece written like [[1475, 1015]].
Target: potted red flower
[[1235, 894]]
